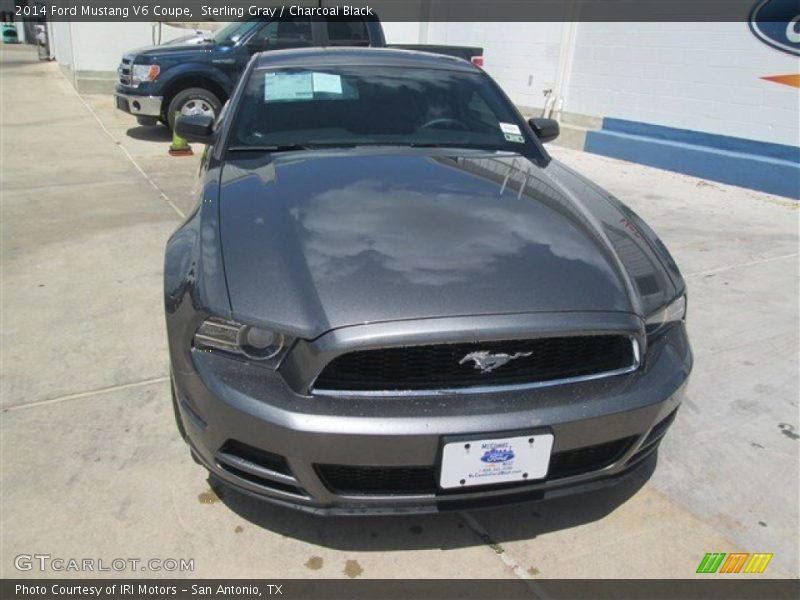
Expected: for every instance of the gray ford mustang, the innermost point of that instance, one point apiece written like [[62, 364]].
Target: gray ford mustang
[[390, 298]]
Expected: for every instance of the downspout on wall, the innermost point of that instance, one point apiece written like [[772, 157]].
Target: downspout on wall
[[565, 61]]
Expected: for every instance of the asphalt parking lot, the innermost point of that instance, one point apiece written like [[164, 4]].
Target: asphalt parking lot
[[92, 465]]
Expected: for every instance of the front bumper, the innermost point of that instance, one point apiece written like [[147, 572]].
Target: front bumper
[[254, 433], [140, 106]]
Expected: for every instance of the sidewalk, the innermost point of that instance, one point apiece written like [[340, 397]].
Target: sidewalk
[[92, 465]]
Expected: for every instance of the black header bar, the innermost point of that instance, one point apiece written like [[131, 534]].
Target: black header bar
[[713, 588], [195, 11]]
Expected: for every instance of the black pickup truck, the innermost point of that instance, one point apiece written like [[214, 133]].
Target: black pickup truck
[[196, 76]]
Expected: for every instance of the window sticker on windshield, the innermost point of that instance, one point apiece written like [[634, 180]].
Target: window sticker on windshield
[[514, 138], [279, 87], [288, 86], [510, 128], [326, 83]]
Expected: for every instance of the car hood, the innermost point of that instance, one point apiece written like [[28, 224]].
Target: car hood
[[189, 40], [318, 240]]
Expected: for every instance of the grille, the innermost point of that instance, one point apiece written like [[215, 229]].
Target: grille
[[346, 479], [589, 458], [660, 429], [653, 439], [262, 458], [439, 366], [356, 480], [260, 467], [124, 71], [264, 482]]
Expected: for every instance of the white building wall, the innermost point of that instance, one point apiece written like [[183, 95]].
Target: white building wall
[[100, 46], [89, 53], [699, 76], [61, 43], [86, 46], [402, 32], [521, 57]]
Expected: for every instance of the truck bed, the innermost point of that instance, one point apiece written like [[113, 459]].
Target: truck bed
[[473, 54]]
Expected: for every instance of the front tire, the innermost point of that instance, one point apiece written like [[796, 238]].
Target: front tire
[[193, 101]]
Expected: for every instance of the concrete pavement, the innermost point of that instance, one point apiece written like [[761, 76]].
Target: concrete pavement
[[91, 465]]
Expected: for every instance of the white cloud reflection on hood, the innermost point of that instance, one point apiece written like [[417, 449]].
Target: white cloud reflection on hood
[[431, 238]]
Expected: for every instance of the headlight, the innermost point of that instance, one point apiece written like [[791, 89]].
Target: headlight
[[256, 343], [671, 313], [142, 73]]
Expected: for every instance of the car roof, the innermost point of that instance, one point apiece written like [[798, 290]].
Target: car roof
[[380, 57]]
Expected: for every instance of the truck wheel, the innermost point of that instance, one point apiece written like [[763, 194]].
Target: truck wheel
[[193, 101]]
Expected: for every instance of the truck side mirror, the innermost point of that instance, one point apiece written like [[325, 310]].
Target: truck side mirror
[[545, 129], [262, 40], [195, 128]]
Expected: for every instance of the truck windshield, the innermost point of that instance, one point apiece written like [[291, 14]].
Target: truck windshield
[[376, 105]]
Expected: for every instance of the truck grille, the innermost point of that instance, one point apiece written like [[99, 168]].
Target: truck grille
[[447, 366], [124, 71]]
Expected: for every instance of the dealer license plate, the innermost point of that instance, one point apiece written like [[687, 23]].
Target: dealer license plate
[[483, 462]]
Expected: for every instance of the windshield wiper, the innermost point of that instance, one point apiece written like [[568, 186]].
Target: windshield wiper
[[276, 148], [434, 145], [325, 145], [410, 144], [455, 145]]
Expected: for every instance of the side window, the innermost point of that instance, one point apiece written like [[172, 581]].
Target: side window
[[347, 33], [286, 33]]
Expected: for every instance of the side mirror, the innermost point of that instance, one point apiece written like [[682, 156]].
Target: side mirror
[[545, 129], [195, 128]]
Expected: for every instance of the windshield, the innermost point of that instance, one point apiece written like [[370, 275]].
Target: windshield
[[376, 105], [231, 33]]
